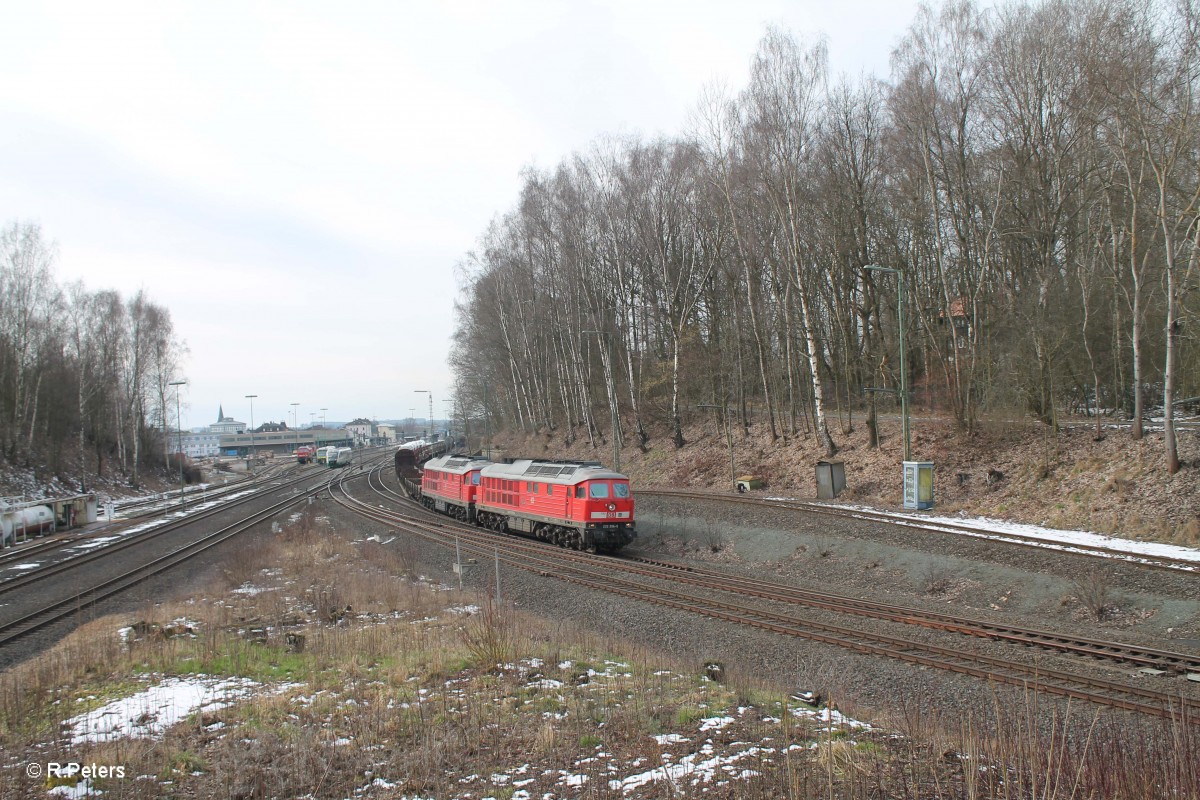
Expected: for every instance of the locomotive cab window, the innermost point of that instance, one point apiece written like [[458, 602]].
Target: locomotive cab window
[[621, 490], [598, 490], [579, 491]]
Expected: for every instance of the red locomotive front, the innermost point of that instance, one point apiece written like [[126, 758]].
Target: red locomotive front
[[581, 505]]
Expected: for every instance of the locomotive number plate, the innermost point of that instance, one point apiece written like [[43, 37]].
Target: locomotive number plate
[[610, 515]]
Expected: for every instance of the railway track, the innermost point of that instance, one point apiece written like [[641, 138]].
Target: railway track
[[90, 587], [119, 541], [661, 583], [1161, 562], [38, 547], [169, 501]]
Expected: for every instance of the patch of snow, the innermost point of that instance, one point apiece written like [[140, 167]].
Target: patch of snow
[[714, 723], [1048, 537], [573, 780], [81, 789], [831, 717], [92, 544], [669, 738], [689, 768], [151, 711]]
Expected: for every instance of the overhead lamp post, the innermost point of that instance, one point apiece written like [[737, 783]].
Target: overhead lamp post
[[251, 397], [179, 441], [323, 410], [312, 419], [612, 399], [724, 409], [412, 420], [907, 433], [296, 422], [429, 437]]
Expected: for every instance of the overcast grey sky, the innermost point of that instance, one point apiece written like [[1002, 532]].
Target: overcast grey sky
[[296, 181]]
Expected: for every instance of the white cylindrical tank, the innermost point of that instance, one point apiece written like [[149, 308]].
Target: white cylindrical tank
[[25, 521]]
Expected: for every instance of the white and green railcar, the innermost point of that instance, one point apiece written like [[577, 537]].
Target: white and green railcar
[[339, 457]]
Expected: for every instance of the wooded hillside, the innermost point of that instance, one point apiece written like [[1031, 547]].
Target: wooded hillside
[[1031, 174], [84, 374]]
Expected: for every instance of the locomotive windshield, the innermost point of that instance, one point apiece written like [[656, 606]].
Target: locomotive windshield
[[598, 489], [621, 490]]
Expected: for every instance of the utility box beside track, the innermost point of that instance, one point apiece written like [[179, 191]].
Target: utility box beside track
[[831, 479], [918, 484]]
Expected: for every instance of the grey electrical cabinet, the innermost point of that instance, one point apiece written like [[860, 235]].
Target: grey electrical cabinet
[[831, 479]]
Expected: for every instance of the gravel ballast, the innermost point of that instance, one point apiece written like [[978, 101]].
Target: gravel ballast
[[870, 560]]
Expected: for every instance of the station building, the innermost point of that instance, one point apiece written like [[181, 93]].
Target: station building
[[274, 440], [205, 442]]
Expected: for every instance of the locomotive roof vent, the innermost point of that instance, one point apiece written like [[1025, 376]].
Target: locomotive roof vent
[[547, 470]]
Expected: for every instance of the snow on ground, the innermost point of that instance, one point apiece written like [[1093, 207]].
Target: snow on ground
[[832, 718], [90, 544], [1049, 537], [154, 709], [81, 789], [694, 769], [177, 515]]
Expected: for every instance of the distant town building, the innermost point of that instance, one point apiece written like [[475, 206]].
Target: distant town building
[[386, 431], [204, 442], [226, 424], [361, 430]]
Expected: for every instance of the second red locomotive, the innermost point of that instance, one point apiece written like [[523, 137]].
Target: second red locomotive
[[577, 504]]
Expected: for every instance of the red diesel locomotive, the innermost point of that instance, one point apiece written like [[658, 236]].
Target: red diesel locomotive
[[578, 505]]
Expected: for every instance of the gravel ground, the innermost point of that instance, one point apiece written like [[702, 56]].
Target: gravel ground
[[863, 559], [1035, 587]]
